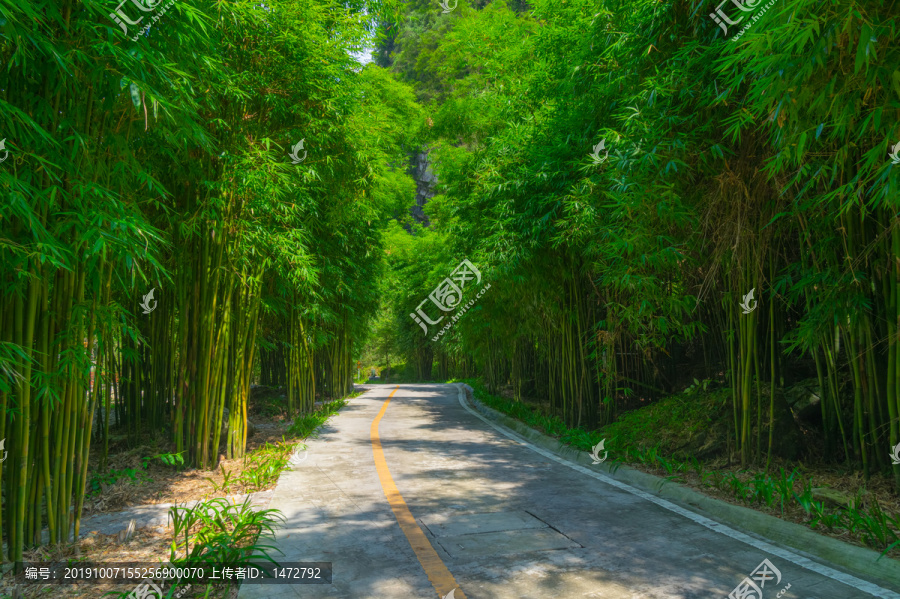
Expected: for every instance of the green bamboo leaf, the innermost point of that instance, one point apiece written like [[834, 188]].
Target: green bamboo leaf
[[862, 49]]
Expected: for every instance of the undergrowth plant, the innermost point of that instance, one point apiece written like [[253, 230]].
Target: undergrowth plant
[[228, 479], [221, 534], [262, 469], [167, 459]]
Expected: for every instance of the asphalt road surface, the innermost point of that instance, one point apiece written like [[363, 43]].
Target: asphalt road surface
[[416, 495]]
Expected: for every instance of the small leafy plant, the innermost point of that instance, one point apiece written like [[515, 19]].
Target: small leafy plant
[[697, 386], [168, 459], [227, 482], [784, 485]]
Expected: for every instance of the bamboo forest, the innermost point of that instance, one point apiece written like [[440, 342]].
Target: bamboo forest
[[673, 227]]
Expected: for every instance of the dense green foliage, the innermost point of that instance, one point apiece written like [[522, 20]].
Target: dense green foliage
[[752, 163], [157, 162]]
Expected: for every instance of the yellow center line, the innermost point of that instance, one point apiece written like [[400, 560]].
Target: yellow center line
[[441, 578]]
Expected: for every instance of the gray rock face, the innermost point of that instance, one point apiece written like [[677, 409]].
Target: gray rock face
[[420, 170]]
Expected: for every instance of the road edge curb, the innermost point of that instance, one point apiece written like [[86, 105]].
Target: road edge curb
[[854, 560]]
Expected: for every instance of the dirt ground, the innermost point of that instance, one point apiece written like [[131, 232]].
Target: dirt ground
[[163, 484]]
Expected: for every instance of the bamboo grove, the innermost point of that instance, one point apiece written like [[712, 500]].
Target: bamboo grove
[[761, 163], [158, 246]]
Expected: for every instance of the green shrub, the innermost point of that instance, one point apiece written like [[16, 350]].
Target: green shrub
[[217, 533]]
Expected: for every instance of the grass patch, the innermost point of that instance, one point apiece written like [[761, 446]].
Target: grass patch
[[671, 424], [305, 424]]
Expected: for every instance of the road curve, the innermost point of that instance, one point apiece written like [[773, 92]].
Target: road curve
[[416, 495]]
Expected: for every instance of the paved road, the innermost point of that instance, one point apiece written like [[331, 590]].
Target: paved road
[[413, 496]]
